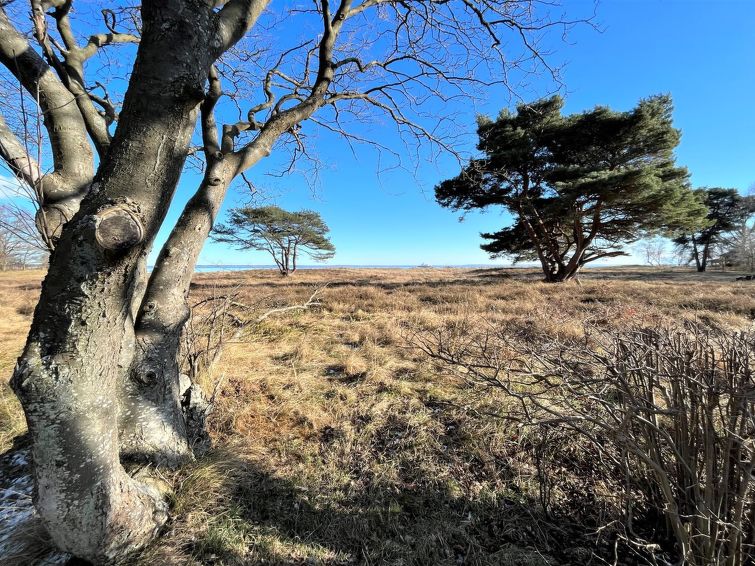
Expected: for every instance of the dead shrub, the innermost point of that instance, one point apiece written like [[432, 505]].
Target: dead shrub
[[671, 413]]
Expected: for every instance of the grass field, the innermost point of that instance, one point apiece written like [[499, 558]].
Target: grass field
[[336, 441]]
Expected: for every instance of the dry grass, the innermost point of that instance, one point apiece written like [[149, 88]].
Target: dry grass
[[18, 295], [337, 443]]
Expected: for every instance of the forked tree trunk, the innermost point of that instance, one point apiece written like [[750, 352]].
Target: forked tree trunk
[[162, 425], [98, 378], [155, 429], [81, 344], [565, 271]]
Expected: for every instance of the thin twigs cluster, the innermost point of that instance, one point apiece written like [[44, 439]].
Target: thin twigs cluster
[[674, 409], [219, 320]]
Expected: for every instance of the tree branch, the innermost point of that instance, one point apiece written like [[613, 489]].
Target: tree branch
[[234, 20], [72, 157]]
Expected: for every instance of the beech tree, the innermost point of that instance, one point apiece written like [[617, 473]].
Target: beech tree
[[726, 210], [281, 233], [20, 243], [579, 187], [98, 377]]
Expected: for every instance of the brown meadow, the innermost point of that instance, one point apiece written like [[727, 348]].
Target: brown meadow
[[335, 441]]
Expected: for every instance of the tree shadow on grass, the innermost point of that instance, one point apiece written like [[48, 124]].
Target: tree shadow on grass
[[257, 516], [273, 520]]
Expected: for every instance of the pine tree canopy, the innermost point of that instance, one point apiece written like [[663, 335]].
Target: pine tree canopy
[[580, 186]]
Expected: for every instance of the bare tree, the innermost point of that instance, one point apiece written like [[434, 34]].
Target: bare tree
[[653, 250], [18, 226], [18, 253], [98, 377], [21, 244], [739, 246], [7, 252]]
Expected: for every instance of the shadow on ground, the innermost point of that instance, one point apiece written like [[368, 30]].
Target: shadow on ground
[[267, 519]]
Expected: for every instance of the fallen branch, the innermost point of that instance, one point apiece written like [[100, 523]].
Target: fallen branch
[[215, 332], [311, 302]]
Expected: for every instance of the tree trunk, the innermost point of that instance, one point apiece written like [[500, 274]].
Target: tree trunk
[[166, 421], [703, 264], [696, 254], [156, 428], [70, 377], [564, 273], [569, 270]]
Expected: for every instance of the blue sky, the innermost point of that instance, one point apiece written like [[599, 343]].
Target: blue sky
[[701, 52]]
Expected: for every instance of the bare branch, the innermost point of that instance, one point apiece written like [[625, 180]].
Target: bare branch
[[208, 123], [16, 155], [73, 160]]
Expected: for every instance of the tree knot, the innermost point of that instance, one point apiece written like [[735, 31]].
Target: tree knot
[[119, 227]]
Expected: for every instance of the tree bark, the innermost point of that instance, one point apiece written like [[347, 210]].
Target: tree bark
[[155, 428], [70, 376], [162, 426]]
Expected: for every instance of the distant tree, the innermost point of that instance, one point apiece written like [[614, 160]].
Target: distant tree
[[579, 186], [726, 209], [20, 243], [740, 245], [6, 252], [281, 233], [653, 250]]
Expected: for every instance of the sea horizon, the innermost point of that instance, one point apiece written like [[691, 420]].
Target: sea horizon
[[244, 267], [209, 268]]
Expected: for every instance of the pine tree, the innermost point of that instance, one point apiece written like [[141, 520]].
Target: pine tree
[[279, 232], [579, 187], [726, 210]]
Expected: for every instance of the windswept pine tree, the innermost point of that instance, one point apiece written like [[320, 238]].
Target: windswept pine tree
[[579, 187], [283, 234]]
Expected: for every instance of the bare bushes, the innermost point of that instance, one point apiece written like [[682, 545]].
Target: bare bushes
[[670, 413], [219, 319]]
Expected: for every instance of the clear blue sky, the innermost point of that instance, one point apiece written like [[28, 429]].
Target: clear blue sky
[[701, 52]]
